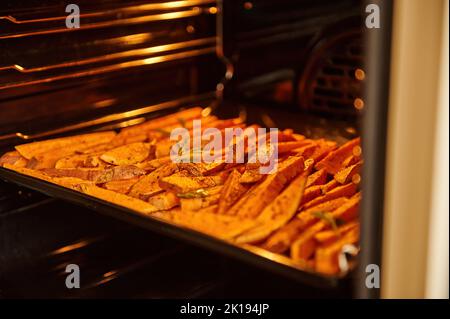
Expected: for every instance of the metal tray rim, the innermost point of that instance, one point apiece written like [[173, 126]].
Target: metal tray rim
[[163, 227]]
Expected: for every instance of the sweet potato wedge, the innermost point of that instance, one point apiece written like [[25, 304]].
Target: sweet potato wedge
[[122, 186], [231, 191], [164, 201], [222, 226], [317, 178], [268, 190], [127, 154], [346, 190], [328, 236], [345, 175], [332, 163], [280, 241], [13, 158], [65, 145], [161, 122], [200, 199], [182, 184], [326, 259], [149, 184], [303, 247], [116, 198], [277, 213]]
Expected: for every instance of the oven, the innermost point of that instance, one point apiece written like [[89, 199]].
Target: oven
[[313, 66]]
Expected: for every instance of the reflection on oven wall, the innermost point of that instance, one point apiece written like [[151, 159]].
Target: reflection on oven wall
[[300, 54]]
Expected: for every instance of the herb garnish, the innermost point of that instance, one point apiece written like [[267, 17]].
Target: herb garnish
[[334, 223], [199, 193]]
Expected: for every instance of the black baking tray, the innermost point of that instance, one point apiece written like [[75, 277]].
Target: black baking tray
[[252, 255]]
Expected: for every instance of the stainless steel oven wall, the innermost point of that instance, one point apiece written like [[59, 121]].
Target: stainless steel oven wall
[[125, 55]]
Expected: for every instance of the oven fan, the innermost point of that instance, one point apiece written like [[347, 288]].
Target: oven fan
[[332, 80]]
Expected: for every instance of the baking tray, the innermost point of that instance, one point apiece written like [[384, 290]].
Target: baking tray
[[250, 254]]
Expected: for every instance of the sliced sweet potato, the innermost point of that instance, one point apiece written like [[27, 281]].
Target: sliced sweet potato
[[164, 201], [326, 259], [161, 122], [231, 192], [303, 247], [13, 158], [222, 226], [277, 213], [149, 184], [329, 186], [65, 145], [96, 175], [324, 148], [116, 198], [332, 163], [184, 184], [328, 236], [346, 190], [122, 186], [311, 193], [199, 199], [317, 178], [127, 154], [268, 190], [281, 240], [345, 175]]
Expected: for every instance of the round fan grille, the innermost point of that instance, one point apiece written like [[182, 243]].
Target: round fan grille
[[332, 81]]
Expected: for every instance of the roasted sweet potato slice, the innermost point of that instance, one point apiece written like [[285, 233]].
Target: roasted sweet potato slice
[[345, 175], [122, 186], [324, 148], [332, 163], [317, 178], [96, 175], [303, 247], [116, 198], [161, 122], [65, 145], [164, 201], [346, 190], [222, 226], [277, 213], [201, 198], [328, 236], [311, 193], [280, 241], [326, 259], [268, 190], [231, 192], [127, 154], [149, 184], [13, 158], [184, 184]]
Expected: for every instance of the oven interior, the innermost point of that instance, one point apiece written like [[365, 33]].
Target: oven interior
[[288, 63]]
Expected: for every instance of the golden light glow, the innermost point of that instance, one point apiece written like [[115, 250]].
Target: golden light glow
[[104, 103], [357, 151], [356, 179], [190, 29], [212, 10], [360, 74], [358, 103], [248, 5], [67, 248]]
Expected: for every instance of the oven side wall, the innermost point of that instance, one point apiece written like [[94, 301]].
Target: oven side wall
[[417, 40]]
